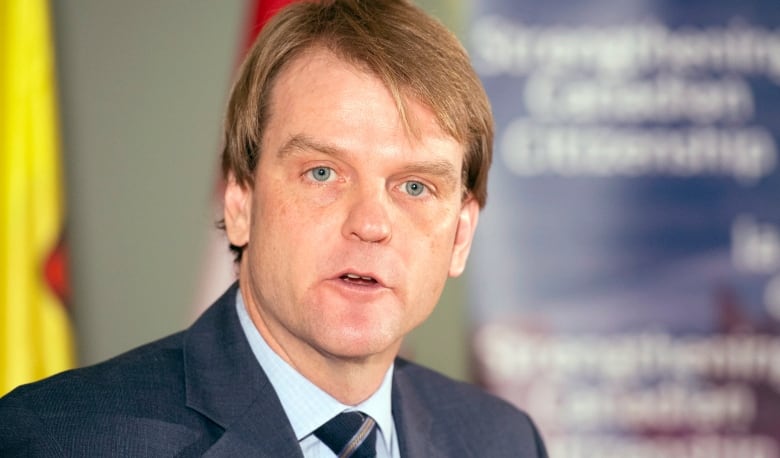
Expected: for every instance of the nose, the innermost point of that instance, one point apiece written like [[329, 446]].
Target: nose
[[367, 217]]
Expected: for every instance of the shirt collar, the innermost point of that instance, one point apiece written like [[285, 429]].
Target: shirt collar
[[306, 405]]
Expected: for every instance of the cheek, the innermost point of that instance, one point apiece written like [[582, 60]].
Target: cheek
[[276, 211], [271, 234], [289, 228], [436, 229], [428, 250]]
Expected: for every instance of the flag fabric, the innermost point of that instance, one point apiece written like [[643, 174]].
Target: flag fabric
[[263, 10], [35, 333], [218, 271]]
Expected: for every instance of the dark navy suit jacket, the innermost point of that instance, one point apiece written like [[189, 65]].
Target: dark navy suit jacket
[[201, 392]]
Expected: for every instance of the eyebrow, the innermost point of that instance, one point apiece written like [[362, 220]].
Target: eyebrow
[[300, 142]]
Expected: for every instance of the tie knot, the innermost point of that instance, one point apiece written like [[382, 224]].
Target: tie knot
[[349, 434]]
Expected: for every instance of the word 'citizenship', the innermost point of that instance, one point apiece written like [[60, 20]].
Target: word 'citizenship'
[[530, 149]]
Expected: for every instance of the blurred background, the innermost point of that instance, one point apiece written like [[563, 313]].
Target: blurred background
[[142, 89], [624, 286]]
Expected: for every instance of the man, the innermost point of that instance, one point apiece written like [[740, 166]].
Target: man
[[357, 144]]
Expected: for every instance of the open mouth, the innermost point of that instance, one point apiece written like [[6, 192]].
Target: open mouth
[[358, 279]]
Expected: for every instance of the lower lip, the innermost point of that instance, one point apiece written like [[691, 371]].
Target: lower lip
[[357, 287]]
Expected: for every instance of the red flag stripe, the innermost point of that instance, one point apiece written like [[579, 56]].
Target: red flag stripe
[[263, 11]]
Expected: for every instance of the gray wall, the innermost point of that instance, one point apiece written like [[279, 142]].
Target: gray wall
[[142, 90]]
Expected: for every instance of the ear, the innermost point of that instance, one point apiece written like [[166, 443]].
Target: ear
[[238, 211], [467, 224]]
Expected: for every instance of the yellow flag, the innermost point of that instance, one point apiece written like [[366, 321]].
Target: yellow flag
[[35, 335]]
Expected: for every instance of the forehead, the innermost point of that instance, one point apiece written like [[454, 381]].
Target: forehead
[[317, 71]]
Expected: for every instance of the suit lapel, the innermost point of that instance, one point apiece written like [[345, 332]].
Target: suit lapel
[[226, 384], [414, 422]]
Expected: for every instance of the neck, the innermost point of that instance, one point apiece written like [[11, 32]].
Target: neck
[[349, 380]]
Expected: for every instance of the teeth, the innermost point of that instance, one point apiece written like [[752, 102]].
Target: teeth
[[358, 277]]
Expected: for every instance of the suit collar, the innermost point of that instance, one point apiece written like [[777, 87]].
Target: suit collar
[[225, 383]]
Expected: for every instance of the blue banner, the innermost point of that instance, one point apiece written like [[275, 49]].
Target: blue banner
[[626, 272]]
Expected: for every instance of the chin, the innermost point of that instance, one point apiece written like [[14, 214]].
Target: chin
[[359, 344]]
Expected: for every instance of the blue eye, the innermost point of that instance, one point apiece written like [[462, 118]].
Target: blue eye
[[321, 173], [414, 188]]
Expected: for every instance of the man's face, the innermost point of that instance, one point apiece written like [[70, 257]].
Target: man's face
[[353, 224]]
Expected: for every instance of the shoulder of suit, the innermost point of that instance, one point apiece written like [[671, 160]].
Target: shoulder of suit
[[448, 394], [156, 364], [84, 402], [142, 382], [491, 423]]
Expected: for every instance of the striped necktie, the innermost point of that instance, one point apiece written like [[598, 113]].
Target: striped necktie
[[349, 434]]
